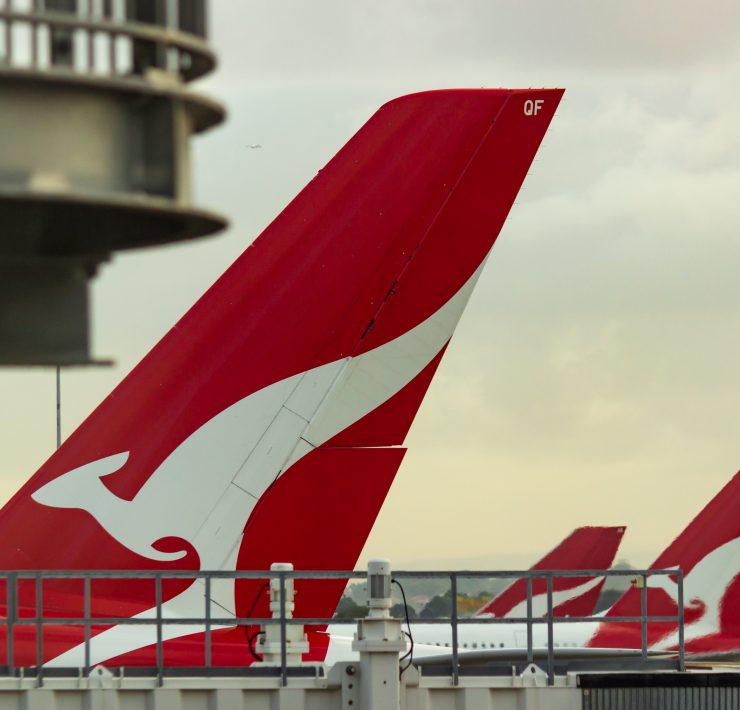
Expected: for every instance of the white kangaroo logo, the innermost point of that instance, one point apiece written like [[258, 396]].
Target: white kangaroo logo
[[197, 478]]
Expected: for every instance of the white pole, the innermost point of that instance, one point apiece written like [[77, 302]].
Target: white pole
[[379, 641]]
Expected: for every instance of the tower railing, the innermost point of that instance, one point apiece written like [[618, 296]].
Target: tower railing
[[117, 38]]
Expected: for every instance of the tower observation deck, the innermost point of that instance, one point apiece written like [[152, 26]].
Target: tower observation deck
[[96, 116]]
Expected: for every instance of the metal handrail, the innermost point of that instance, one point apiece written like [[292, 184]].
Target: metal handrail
[[87, 620], [550, 619]]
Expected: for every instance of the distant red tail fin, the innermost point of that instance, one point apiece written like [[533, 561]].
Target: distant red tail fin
[[585, 548], [708, 553], [313, 350]]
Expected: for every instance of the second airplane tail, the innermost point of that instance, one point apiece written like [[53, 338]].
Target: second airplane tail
[[585, 548], [708, 554]]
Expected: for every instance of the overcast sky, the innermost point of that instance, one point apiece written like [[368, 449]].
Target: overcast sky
[[595, 377]]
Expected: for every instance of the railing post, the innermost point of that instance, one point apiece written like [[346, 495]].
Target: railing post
[[643, 616], [86, 614], [550, 635], [39, 630], [11, 593], [208, 622], [455, 645], [530, 649], [681, 649], [158, 602]]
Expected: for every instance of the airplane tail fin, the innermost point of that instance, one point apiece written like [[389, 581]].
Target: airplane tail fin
[[708, 554], [585, 548], [291, 384]]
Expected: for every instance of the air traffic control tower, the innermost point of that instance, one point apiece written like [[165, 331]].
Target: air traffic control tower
[[96, 116]]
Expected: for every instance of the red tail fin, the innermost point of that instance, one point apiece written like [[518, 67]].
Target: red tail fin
[[585, 548], [322, 337], [708, 553]]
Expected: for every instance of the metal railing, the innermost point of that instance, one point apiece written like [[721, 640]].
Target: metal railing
[[549, 618], [29, 611]]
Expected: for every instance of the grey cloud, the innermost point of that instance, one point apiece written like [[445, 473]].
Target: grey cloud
[[328, 39]]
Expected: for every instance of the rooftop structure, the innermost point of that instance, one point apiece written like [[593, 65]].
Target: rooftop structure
[[96, 117]]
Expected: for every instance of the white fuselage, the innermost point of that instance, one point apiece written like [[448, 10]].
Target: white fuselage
[[434, 639]]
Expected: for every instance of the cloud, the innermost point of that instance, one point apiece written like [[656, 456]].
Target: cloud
[[330, 40]]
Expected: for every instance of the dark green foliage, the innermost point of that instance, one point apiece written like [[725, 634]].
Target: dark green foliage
[[398, 612], [349, 609], [437, 606]]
